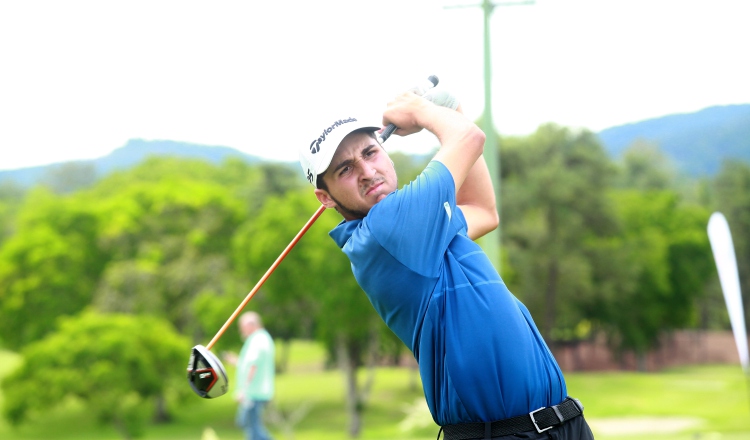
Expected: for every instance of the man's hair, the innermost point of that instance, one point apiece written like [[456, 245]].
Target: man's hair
[[251, 317], [319, 183]]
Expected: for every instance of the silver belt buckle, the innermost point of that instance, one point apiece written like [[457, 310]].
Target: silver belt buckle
[[533, 420]]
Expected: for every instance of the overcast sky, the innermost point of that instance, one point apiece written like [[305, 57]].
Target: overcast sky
[[78, 79]]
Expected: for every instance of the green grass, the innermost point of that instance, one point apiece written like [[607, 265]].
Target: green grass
[[714, 398]]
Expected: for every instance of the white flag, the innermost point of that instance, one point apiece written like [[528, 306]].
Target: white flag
[[726, 264]]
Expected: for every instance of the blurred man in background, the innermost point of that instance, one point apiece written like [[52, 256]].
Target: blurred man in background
[[254, 383]]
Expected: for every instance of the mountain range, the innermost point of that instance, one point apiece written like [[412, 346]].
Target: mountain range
[[696, 143], [133, 152]]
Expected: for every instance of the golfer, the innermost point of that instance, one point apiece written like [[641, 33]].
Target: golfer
[[486, 371]]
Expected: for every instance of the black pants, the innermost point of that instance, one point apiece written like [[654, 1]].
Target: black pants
[[574, 429]]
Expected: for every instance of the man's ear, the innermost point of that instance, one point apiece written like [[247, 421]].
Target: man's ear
[[324, 198]]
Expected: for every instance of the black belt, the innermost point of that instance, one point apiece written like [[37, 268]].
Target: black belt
[[539, 420]]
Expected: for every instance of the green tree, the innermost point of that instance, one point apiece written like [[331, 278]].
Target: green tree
[[69, 177], [11, 196], [313, 286], [169, 241], [408, 167], [645, 167], [49, 267], [653, 273], [247, 183], [286, 298], [554, 206], [731, 196], [116, 365]]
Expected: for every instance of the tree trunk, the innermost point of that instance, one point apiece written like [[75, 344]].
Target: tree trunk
[[121, 427], [283, 364], [640, 360], [550, 301], [161, 414], [353, 404], [550, 295]]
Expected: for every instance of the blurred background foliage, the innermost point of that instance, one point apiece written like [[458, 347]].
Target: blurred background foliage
[[116, 278]]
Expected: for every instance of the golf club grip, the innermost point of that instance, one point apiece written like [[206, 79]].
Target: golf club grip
[[268, 273], [388, 131]]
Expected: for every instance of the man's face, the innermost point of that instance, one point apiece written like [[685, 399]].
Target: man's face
[[360, 175], [247, 328]]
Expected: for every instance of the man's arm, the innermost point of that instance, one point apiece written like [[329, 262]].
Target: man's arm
[[476, 198], [461, 147], [251, 373]]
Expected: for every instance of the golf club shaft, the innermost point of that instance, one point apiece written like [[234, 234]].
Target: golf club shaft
[[432, 82], [267, 274]]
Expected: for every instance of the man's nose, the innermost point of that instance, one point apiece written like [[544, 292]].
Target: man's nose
[[367, 170]]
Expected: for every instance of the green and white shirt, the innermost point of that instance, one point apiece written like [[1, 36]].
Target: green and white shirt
[[259, 351]]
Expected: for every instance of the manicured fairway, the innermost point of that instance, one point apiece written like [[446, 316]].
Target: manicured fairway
[[701, 402]]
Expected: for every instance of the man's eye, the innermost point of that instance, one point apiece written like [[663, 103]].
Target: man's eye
[[345, 170]]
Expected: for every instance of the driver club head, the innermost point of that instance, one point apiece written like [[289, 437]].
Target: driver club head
[[206, 374]]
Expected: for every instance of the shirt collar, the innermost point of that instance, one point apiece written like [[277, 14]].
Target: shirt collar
[[343, 231]]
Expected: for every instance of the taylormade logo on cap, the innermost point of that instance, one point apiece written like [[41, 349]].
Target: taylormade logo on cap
[[315, 145], [316, 156]]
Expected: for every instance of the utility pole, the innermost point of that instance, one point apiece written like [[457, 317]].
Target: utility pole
[[492, 242]]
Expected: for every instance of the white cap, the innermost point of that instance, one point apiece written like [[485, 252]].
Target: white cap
[[316, 156]]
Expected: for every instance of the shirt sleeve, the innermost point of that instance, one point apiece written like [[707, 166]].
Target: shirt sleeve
[[417, 223]]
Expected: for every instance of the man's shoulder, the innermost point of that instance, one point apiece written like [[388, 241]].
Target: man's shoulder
[[434, 169], [260, 336]]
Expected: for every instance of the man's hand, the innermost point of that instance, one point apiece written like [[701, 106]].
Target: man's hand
[[442, 97], [229, 357], [404, 111]]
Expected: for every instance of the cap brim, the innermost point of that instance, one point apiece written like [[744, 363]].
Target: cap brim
[[319, 162]]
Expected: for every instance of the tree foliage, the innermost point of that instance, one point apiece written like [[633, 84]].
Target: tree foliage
[[174, 245], [645, 167], [597, 247], [167, 242], [554, 205], [731, 190], [661, 264], [49, 267], [116, 365], [69, 177], [312, 289]]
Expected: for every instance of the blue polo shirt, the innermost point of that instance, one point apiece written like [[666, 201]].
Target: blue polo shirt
[[480, 355]]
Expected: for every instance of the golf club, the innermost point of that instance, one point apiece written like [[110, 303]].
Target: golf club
[[205, 372]]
